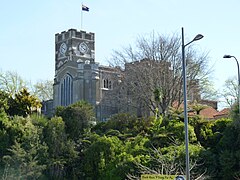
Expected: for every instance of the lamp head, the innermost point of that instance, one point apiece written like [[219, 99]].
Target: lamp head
[[227, 56], [198, 37]]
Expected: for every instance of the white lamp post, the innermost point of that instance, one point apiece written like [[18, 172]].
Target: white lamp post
[[197, 37]]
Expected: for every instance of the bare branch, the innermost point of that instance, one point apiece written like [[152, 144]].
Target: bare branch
[[155, 63]]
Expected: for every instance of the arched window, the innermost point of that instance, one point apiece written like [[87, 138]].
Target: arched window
[[66, 90], [107, 84]]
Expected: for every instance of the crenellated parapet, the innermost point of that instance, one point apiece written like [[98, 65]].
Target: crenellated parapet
[[73, 33]]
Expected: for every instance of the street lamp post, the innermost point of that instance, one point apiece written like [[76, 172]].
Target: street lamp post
[[229, 56], [197, 37]]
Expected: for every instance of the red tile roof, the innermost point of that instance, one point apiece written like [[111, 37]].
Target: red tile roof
[[208, 112], [223, 113]]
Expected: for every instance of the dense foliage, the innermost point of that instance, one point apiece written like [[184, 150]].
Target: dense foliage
[[70, 146]]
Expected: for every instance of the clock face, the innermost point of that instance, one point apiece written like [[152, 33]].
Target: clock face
[[83, 48], [63, 48]]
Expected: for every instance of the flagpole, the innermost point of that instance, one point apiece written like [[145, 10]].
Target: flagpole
[[84, 8], [81, 16]]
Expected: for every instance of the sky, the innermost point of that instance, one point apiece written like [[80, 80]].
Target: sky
[[28, 28]]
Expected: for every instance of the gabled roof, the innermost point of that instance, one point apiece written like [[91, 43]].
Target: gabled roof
[[208, 113], [223, 113]]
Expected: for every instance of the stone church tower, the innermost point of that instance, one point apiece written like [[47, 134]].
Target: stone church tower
[[79, 77], [76, 73]]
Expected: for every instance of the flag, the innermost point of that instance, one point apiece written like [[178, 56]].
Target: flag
[[85, 8]]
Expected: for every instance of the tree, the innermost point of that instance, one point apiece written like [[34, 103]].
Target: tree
[[6, 135], [155, 64], [207, 89], [170, 161], [23, 104], [61, 150], [126, 123], [11, 82], [196, 107], [55, 136], [228, 151], [77, 117], [230, 91], [108, 157], [24, 157], [221, 147], [99, 155], [22, 164], [43, 89], [3, 101]]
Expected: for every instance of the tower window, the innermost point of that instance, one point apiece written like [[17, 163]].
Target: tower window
[[66, 90], [107, 84]]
